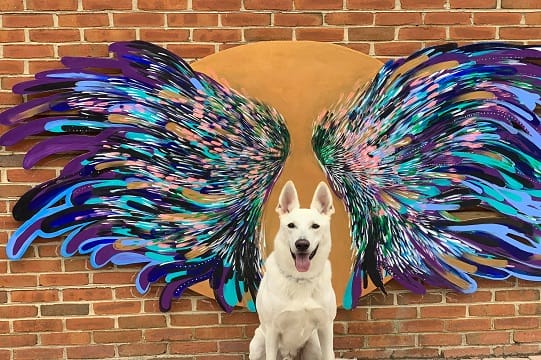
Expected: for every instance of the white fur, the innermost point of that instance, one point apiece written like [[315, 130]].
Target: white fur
[[297, 309]]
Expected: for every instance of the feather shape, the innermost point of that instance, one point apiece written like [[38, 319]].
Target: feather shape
[[445, 131], [173, 174]]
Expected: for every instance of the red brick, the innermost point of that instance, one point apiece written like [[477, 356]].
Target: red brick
[[371, 327], [91, 352], [516, 349], [35, 295], [529, 309], [294, 19], [117, 307], [478, 4], [411, 298], [239, 318], [87, 294], [34, 175], [417, 353], [138, 19], [318, 5], [396, 48], [217, 35], [39, 266], [234, 346], [118, 336], [491, 310], [63, 279], [533, 19], [440, 339], [108, 278], [131, 350], [319, 34], [268, 4], [54, 35], [360, 47], [517, 295], [142, 321], [192, 20], [17, 281], [520, 4], [398, 18], [38, 325], [11, 5], [478, 296], [108, 35], [448, 18], [371, 33], [422, 4], [499, 18], [514, 323], [357, 314], [473, 324], [421, 325], [370, 4], [166, 335], [18, 311], [37, 352], [164, 35], [193, 347], [192, 50], [27, 20], [349, 18], [83, 20], [472, 32], [90, 323], [520, 33], [216, 5], [163, 5], [393, 313], [245, 19], [488, 338], [65, 338], [107, 5], [207, 333], [8, 36], [421, 33], [391, 340], [268, 34], [13, 341], [530, 336], [466, 352], [51, 5], [194, 320]]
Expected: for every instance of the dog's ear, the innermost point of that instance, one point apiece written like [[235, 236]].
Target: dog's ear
[[322, 200], [289, 200]]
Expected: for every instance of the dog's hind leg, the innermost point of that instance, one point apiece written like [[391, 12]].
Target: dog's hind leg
[[312, 350], [257, 346]]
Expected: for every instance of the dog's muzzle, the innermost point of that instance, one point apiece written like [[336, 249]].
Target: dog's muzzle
[[301, 257]]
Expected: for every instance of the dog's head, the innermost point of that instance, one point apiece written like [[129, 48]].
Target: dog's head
[[305, 231]]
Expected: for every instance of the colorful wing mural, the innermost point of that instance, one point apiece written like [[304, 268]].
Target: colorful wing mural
[[173, 173], [437, 160], [446, 131]]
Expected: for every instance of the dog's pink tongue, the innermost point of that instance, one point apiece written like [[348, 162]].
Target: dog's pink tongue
[[302, 262]]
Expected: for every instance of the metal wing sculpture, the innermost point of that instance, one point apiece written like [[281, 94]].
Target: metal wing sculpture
[[174, 170], [445, 131]]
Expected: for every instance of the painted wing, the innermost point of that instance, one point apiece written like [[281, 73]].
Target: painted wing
[[414, 155], [174, 171]]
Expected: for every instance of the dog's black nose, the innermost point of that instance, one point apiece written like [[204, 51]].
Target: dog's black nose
[[302, 244]]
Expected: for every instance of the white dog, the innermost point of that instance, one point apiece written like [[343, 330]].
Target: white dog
[[296, 302]]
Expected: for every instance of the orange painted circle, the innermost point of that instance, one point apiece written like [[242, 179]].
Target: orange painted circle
[[299, 79]]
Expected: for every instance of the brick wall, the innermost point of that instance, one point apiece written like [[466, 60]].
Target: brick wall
[[51, 308]]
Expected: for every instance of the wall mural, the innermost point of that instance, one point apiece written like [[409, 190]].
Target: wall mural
[[437, 161]]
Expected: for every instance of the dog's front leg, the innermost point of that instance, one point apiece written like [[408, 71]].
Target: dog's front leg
[[271, 345], [325, 334]]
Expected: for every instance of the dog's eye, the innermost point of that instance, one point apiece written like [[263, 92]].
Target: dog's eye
[[291, 225], [315, 226]]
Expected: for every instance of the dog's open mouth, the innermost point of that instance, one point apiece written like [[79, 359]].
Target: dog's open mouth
[[302, 260]]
